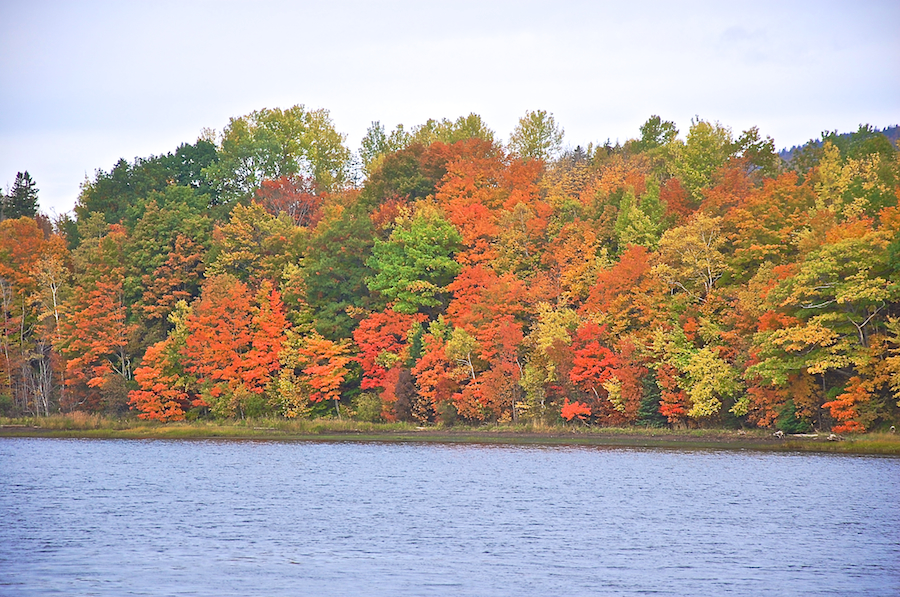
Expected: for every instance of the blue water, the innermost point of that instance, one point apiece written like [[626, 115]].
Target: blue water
[[110, 517]]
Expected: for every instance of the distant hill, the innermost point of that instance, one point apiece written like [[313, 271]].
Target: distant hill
[[891, 132]]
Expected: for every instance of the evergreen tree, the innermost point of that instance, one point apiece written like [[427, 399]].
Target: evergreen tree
[[22, 199]]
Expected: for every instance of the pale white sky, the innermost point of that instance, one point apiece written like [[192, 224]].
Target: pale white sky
[[85, 83]]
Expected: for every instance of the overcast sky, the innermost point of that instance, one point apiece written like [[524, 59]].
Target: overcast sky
[[85, 83]]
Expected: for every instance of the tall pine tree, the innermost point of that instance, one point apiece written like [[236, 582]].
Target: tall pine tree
[[21, 200]]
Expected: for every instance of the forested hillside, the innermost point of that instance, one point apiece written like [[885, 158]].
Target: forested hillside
[[438, 275]]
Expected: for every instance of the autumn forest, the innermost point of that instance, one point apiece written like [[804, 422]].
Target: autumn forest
[[438, 275]]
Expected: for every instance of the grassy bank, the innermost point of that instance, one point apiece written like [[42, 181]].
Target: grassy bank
[[81, 425]]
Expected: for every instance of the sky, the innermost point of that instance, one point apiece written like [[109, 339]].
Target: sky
[[84, 83]]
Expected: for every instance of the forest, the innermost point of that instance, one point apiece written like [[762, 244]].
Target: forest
[[438, 275]]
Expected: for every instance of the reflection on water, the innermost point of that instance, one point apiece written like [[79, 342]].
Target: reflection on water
[[89, 517]]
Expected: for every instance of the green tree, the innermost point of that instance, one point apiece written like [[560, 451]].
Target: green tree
[[377, 144], [759, 153], [708, 147], [449, 132], [335, 270], [254, 245], [120, 193], [164, 257], [656, 132], [865, 141], [21, 200], [841, 295], [634, 225], [413, 267], [188, 163], [537, 136], [268, 144]]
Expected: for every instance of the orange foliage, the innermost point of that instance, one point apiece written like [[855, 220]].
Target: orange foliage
[[731, 189], [95, 336], [160, 398], [487, 306], [677, 200], [760, 223], [765, 402], [293, 195], [434, 372], [269, 326], [175, 280], [378, 335], [630, 371], [233, 340], [890, 216], [592, 364], [384, 215], [845, 408], [622, 173], [325, 365], [673, 402], [220, 332], [570, 410], [629, 296]]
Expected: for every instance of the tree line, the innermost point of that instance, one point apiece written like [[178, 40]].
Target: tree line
[[439, 275]]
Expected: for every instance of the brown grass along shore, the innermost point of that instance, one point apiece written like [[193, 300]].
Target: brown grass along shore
[[80, 425]]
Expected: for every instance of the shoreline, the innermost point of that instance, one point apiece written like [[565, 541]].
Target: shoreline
[[704, 439]]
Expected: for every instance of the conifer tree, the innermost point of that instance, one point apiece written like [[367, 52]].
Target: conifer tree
[[22, 198]]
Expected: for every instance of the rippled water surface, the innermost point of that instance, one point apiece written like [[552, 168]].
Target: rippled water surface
[[109, 517]]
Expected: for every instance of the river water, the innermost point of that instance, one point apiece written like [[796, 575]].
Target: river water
[[127, 517]]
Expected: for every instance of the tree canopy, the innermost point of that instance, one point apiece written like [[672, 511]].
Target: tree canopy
[[695, 281]]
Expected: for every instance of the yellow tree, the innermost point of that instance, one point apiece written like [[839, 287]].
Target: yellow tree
[[690, 256]]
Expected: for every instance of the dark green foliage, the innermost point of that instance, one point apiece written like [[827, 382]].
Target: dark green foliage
[[788, 420], [67, 227], [188, 164], [117, 194], [803, 159], [409, 174], [22, 200], [415, 344], [648, 412], [446, 413], [335, 270], [7, 406], [865, 141], [759, 154], [656, 132], [121, 193]]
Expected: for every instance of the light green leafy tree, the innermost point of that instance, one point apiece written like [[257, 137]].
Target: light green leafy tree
[[550, 333], [446, 131], [254, 244], [706, 377], [270, 143], [537, 136], [377, 143], [840, 297], [640, 222], [413, 267], [707, 148]]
